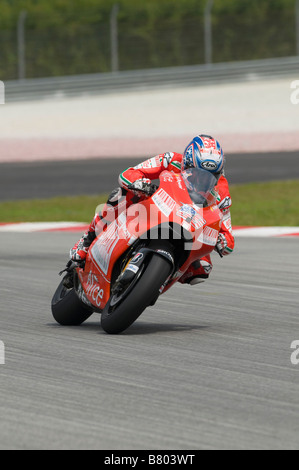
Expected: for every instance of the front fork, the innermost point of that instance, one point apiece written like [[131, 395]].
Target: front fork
[[135, 263]]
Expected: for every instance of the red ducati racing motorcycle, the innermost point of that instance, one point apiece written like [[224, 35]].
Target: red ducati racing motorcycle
[[143, 253]]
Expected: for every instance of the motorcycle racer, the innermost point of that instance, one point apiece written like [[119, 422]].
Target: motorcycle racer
[[202, 152]]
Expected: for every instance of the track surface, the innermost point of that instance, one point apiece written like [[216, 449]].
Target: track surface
[[216, 376], [49, 179]]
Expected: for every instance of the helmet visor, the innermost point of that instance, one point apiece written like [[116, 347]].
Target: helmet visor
[[200, 185]]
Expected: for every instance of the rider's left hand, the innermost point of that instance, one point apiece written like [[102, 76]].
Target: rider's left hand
[[221, 243]]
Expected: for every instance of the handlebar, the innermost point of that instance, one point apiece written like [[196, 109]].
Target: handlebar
[[148, 190]]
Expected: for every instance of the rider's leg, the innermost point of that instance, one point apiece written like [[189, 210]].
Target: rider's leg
[[80, 249], [198, 272], [117, 202]]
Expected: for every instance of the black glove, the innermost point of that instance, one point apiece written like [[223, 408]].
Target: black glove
[[142, 187], [221, 244]]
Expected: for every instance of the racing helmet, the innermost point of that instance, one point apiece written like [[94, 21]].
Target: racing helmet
[[206, 153]]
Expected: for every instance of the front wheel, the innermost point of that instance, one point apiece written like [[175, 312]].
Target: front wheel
[[67, 308], [122, 312]]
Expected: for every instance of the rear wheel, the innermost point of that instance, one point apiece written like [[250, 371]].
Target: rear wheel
[[67, 308], [125, 307]]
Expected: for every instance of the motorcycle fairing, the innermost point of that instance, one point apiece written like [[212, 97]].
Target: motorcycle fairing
[[171, 204]]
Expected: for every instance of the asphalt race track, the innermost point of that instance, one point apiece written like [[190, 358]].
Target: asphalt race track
[[96, 176], [218, 375]]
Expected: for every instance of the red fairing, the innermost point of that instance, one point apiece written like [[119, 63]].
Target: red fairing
[[170, 203], [172, 161]]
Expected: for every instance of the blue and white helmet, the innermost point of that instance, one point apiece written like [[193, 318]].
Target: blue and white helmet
[[206, 153]]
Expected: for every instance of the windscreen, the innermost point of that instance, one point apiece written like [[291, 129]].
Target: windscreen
[[200, 185]]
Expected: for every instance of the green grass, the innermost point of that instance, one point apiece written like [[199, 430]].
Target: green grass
[[58, 209], [275, 203], [266, 204]]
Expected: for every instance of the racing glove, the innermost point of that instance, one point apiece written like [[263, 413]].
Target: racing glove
[[141, 187], [221, 244]]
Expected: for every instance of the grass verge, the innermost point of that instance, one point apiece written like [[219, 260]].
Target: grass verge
[[266, 204], [58, 209]]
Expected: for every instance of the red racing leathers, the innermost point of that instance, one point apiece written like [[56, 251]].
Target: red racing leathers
[[122, 198]]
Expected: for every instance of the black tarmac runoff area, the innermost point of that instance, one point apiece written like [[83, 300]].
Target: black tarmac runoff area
[[98, 176]]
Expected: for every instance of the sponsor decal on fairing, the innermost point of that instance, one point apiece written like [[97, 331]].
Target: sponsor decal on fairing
[[102, 250], [179, 182], [94, 290], [133, 268], [168, 178], [137, 258], [164, 202], [188, 214]]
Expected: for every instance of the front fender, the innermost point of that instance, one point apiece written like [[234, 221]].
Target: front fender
[[163, 251]]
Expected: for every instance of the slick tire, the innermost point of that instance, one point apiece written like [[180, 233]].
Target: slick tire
[[139, 298], [67, 308]]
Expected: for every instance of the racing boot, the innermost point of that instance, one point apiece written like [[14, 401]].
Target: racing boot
[[79, 252], [198, 272]]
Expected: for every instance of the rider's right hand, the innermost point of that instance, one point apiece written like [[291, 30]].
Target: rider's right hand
[[141, 187]]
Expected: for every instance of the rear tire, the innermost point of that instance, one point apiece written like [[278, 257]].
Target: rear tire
[[67, 308], [144, 292]]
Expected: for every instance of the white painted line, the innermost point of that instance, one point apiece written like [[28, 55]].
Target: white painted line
[[39, 226], [257, 232], [261, 232]]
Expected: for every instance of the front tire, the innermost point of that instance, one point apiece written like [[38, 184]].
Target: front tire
[[67, 308], [117, 319]]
